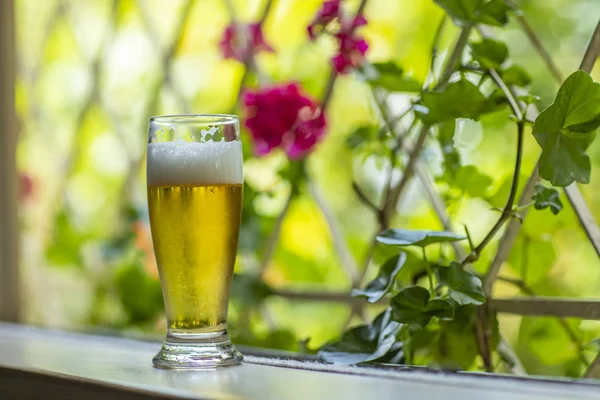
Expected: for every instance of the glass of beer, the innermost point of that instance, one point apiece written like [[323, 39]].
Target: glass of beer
[[194, 174]]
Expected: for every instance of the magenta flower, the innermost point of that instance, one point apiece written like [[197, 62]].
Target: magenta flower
[[329, 11], [352, 49], [281, 116], [239, 41]]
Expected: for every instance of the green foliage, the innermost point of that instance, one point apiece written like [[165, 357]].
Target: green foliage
[[460, 99], [489, 53], [472, 181], [403, 237], [463, 286], [140, 294], [471, 12], [364, 343], [547, 198], [566, 128], [378, 287], [449, 152], [249, 289], [389, 76], [66, 243], [413, 306], [515, 75]]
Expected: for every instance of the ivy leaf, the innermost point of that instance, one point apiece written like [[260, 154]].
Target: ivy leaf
[[460, 99], [566, 128], [363, 343], [389, 76], [547, 197], [413, 306], [471, 12], [489, 53], [515, 75], [464, 287], [379, 286], [404, 237], [470, 180]]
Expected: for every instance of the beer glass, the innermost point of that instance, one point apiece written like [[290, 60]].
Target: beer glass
[[194, 175]]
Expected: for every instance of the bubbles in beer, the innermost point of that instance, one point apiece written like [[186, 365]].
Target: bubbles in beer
[[186, 163]]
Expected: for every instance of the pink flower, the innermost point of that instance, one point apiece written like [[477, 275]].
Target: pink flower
[[329, 11], [352, 49], [281, 116], [26, 187], [239, 41]]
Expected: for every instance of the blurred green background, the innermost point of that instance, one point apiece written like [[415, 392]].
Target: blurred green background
[[91, 73]]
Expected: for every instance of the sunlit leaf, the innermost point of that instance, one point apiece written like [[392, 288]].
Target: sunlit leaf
[[463, 286], [361, 135], [472, 181], [363, 343], [379, 286], [422, 238], [566, 128], [390, 76], [461, 99]]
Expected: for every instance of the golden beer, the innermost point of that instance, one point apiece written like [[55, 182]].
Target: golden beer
[[195, 233], [194, 176]]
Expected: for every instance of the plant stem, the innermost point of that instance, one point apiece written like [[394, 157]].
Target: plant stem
[[592, 51], [429, 272], [274, 238], [508, 208], [539, 47]]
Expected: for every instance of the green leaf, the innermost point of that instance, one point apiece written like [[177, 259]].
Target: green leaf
[[547, 198], [470, 180], [65, 247], [515, 75], [140, 294], [384, 281], [532, 258], [471, 12], [460, 99], [361, 135], [249, 289], [363, 343], [404, 237], [566, 128], [413, 306], [449, 152], [489, 53], [390, 77], [463, 286]]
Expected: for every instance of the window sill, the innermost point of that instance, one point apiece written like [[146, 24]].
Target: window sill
[[43, 364]]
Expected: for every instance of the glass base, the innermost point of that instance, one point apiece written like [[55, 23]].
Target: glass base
[[191, 350]]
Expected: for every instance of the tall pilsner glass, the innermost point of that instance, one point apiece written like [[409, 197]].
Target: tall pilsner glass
[[194, 171]]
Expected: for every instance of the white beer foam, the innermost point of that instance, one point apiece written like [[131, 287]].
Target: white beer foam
[[188, 163]]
